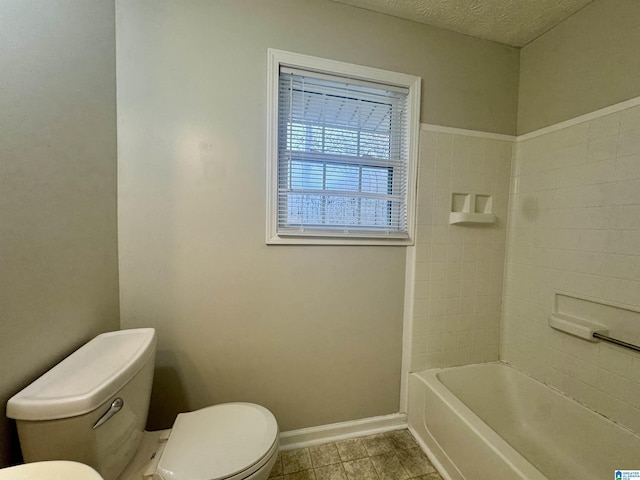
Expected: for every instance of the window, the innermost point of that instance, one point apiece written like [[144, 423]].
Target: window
[[341, 161]]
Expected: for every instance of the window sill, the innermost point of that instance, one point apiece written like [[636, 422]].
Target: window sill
[[324, 240]]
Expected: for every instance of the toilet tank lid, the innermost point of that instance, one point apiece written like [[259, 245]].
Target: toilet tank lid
[[86, 378]]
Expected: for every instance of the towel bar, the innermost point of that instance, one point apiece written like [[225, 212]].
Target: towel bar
[[606, 338]]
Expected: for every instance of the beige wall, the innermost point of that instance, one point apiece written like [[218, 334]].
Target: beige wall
[[588, 62], [58, 240], [313, 333]]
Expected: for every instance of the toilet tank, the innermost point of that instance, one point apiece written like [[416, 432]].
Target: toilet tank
[[58, 415]]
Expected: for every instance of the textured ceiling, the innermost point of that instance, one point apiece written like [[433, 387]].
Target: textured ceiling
[[514, 22]]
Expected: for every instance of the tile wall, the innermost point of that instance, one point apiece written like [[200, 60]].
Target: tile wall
[[574, 228], [458, 269]]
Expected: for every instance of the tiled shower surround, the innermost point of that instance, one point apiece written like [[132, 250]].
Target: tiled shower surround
[[458, 269], [575, 229]]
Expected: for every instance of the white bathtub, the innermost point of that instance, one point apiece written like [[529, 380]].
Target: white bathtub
[[490, 421]]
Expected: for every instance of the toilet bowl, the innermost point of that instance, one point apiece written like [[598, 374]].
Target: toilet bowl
[[243, 436], [92, 408]]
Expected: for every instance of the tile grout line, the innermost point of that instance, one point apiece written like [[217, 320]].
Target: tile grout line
[[397, 457]]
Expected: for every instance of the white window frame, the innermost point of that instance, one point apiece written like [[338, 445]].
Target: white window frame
[[278, 58]]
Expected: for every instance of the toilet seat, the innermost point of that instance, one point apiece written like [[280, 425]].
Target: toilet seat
[[230, 441]]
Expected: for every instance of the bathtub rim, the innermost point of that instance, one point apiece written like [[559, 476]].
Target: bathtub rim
[[501, 363], [499, 446], [429, 380]]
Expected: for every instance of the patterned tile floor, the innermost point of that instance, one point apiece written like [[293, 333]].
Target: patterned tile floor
[[387, 456]]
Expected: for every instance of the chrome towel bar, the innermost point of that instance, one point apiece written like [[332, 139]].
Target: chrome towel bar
[[606, 338]]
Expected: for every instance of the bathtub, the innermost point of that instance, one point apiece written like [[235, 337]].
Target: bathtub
[[490, 421]]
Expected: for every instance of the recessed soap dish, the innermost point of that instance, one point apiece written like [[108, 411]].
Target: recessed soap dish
[[467, 208]]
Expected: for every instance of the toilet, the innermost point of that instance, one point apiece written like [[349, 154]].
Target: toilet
[[92, 408]]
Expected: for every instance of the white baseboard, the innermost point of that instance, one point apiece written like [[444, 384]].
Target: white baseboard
[[306, 437]]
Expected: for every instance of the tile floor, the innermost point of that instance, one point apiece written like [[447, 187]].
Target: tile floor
[[387, 456]]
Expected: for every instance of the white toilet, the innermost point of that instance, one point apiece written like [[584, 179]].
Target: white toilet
[[50, 470], [92, 408]]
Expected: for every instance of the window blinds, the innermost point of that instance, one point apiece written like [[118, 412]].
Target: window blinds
[[342, 156]]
